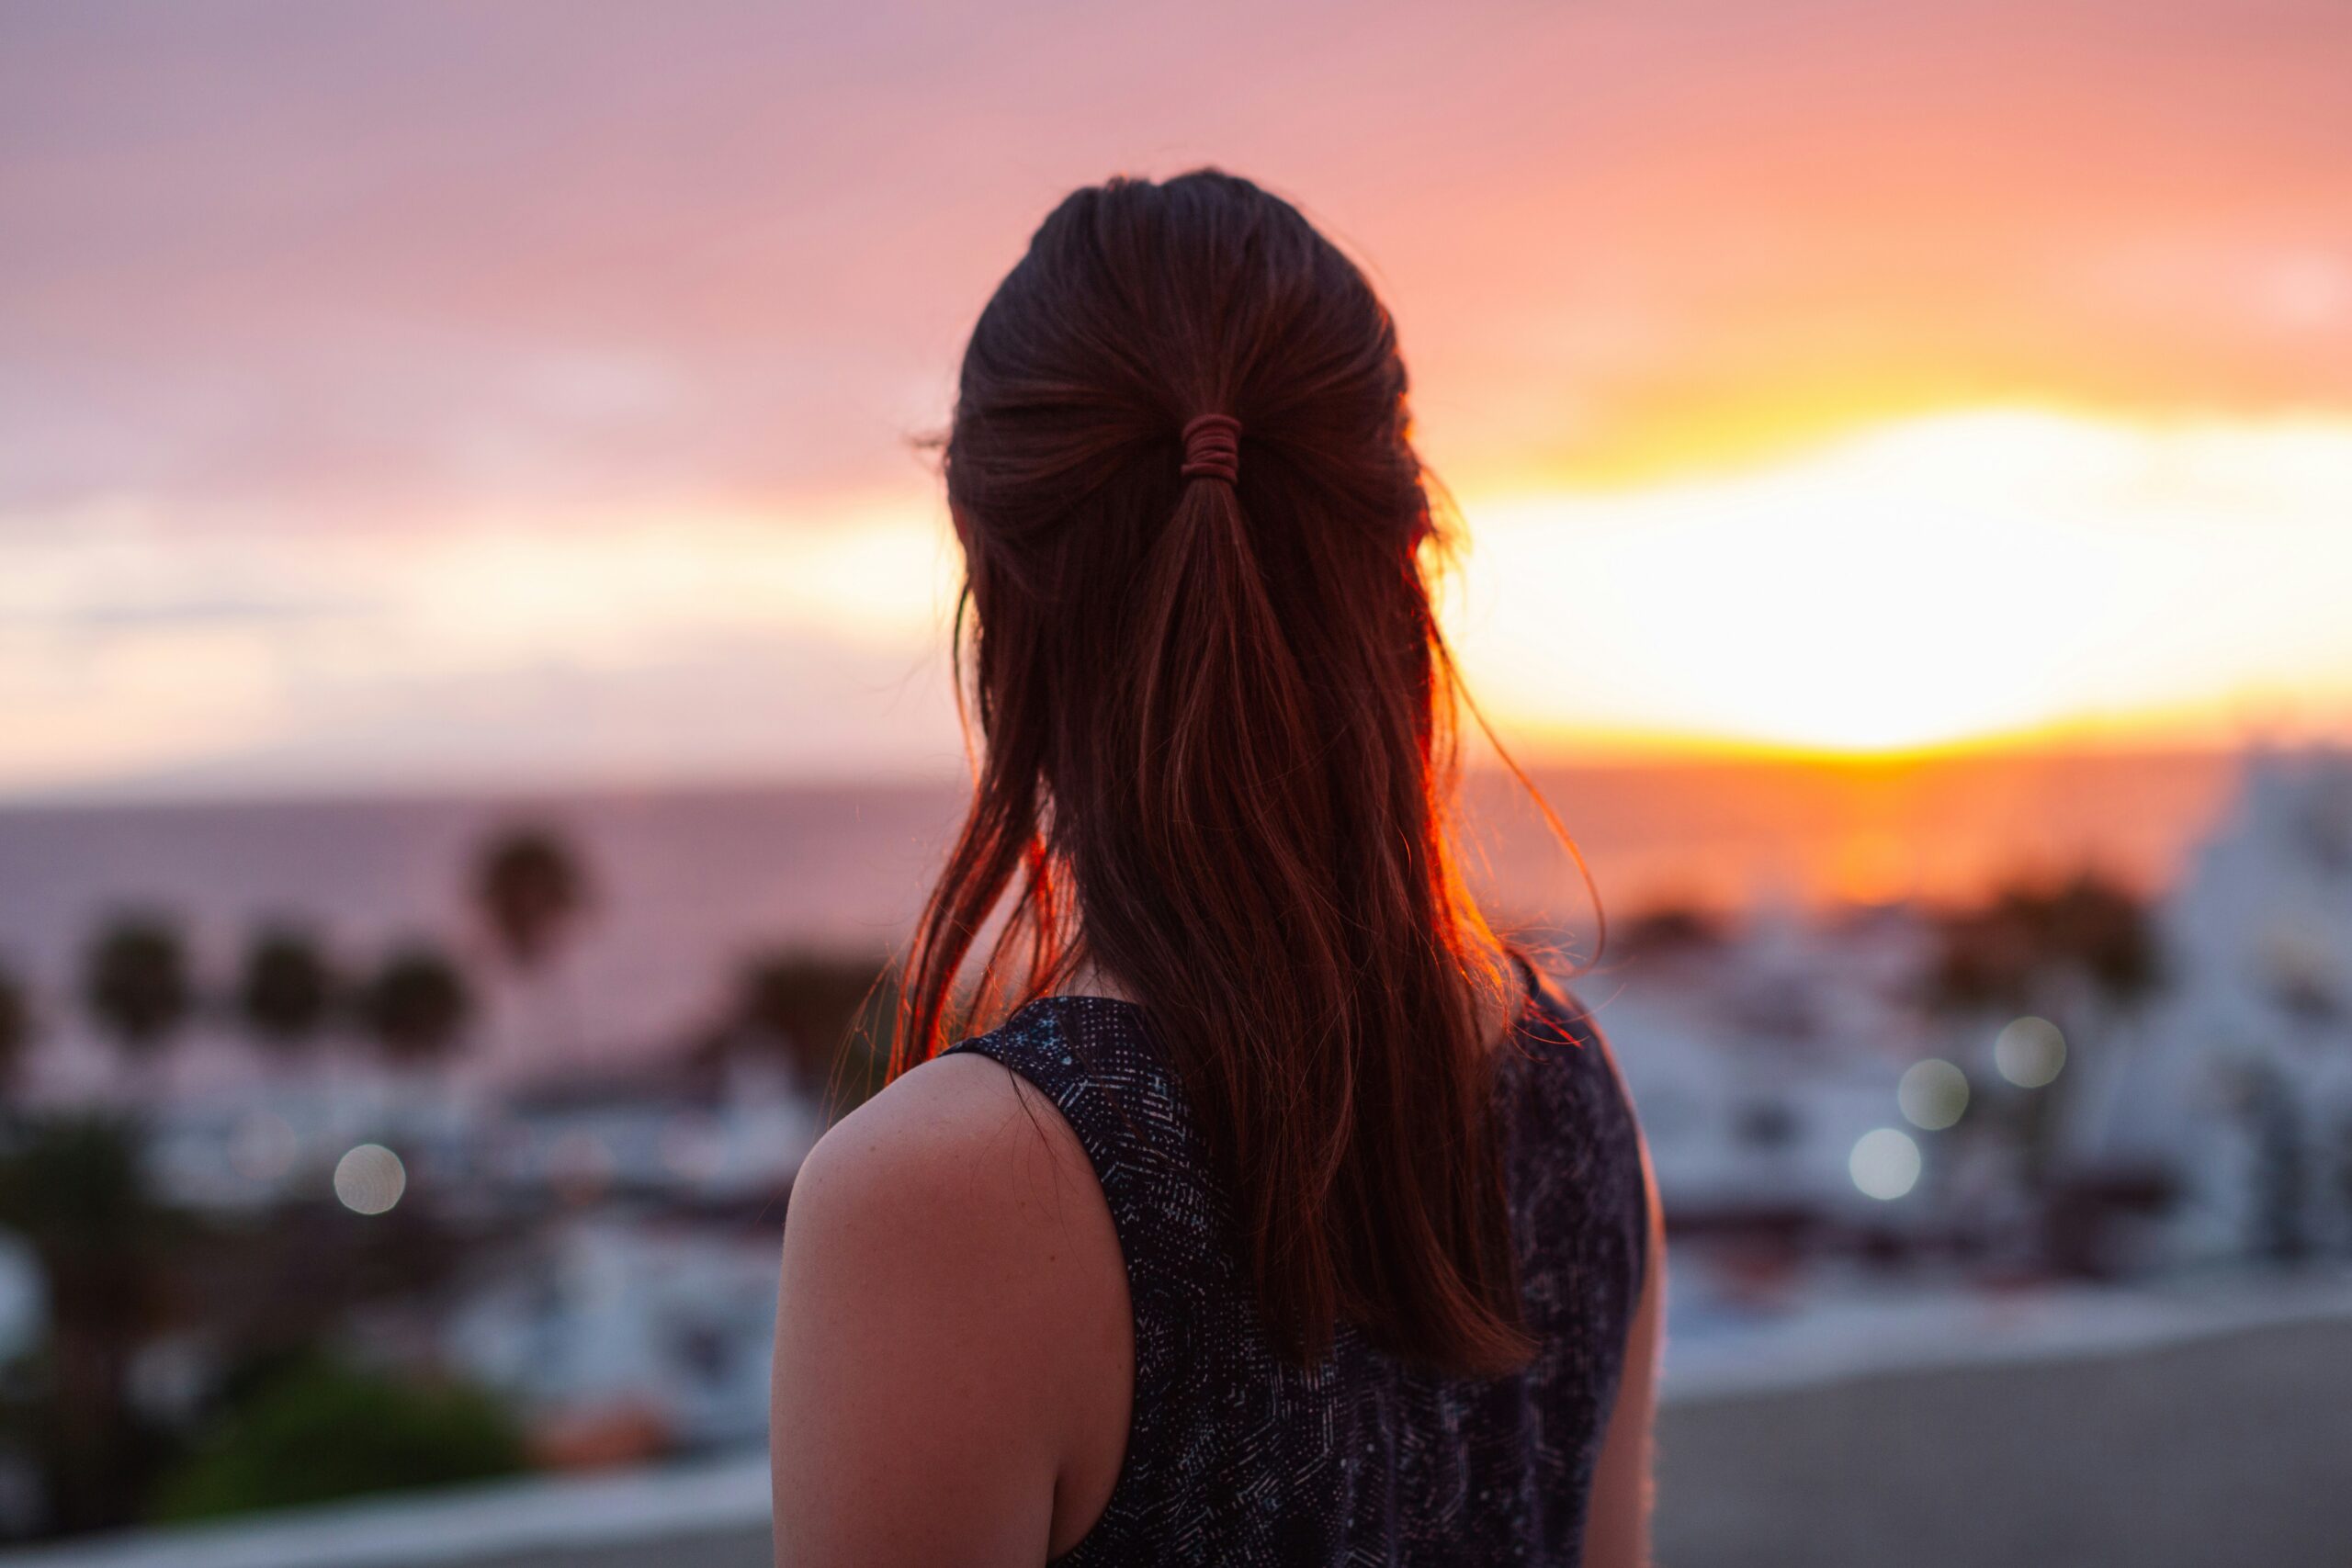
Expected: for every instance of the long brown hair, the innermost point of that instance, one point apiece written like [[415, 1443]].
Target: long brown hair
[[1218, 725]]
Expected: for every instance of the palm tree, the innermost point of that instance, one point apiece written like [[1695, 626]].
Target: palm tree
[[135, 981], [416, 1007], [531, 888], [287, 991], [16, 1027]]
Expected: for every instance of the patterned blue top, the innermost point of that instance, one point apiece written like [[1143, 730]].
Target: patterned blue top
[[1236, 1457]]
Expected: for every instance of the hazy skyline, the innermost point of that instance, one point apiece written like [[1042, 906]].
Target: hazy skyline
[[444, 394]]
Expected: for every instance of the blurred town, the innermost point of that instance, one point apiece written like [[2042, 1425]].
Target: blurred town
[[289, 1217]]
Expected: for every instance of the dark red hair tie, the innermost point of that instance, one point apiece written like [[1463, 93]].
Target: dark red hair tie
[[1213, 446]]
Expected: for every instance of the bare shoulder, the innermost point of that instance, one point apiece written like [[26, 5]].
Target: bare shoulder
[[961, 1187], [953, 1305], [954, 1141]]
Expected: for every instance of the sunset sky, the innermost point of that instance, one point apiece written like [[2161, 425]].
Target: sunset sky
[[433, 394]]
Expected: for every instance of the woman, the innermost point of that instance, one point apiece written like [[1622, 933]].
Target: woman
[[1282, 1215]]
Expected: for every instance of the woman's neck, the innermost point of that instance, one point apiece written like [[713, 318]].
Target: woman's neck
[[1090, 979], [1497, 1007]]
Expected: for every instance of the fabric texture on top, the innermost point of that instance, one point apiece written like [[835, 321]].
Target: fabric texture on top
[[1238, 1457]]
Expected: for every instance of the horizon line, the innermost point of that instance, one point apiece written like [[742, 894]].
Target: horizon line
[[1663, 754]]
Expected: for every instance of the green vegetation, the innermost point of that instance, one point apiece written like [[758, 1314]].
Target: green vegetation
[[76, 1188], [320, 1431], [269, 1419], [124, 1270]]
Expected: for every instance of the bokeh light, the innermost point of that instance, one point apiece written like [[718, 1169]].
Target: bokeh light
[[2029, 1051], [1932, 1094], [369, 1179], [1884, 1164]]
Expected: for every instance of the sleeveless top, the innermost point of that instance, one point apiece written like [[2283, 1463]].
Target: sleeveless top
[[1237, 1457]]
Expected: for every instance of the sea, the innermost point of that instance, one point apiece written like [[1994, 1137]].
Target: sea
[[689, 883]]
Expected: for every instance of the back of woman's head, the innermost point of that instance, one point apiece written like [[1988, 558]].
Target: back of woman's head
[[1217, 753]]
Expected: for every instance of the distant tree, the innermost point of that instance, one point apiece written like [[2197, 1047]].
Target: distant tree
[[2083, 953], [1669, 930], [827, 1015], [2104, 930], [531, 889], [135, 981], [285, 1280], [18, 1027], [76, 1188], [416, 1006], [287, 989], [2005, 954]]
